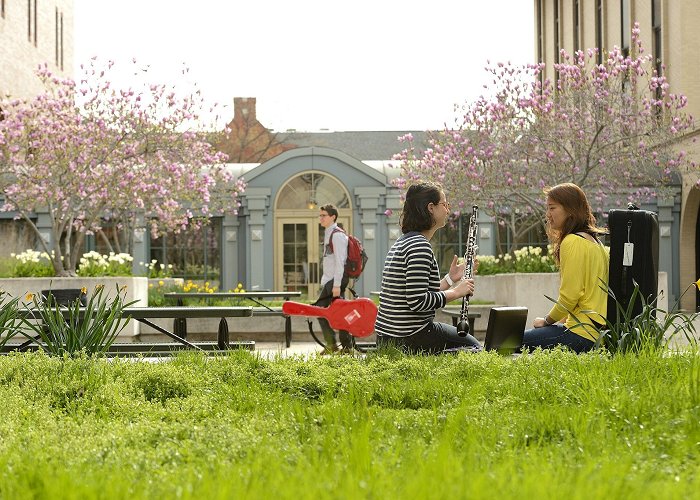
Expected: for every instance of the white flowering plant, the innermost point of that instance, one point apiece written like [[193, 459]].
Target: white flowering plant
[[155, 270], [95, 264], [524, 260], [31, 263]]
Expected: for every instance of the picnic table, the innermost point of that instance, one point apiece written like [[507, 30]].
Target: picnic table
[[145, 314], [255, 297]]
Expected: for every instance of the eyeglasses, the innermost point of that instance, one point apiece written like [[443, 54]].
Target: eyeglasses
[[323, 215], [444, 204]]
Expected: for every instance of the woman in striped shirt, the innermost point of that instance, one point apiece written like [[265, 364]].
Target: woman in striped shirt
[[411, 286]]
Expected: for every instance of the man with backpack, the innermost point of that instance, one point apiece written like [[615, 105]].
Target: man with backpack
[[334, 279]]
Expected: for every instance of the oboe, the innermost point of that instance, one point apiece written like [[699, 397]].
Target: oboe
[[469, 255]]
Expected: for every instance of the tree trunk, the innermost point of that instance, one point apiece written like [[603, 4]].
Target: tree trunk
[[105, 239]]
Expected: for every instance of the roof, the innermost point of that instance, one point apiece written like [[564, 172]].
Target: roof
[[362, 145]]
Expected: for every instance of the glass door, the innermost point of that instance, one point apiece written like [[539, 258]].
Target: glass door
[[300, 245]]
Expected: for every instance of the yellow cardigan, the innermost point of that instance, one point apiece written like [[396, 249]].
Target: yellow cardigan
[[583, 264]]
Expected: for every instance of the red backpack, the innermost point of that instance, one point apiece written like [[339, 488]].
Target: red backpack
[[357, 258]]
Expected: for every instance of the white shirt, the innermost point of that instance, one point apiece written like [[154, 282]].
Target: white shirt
[[334, 263]]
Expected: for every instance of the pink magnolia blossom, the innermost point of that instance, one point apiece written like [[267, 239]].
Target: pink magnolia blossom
[[586, 128], [88, 152]]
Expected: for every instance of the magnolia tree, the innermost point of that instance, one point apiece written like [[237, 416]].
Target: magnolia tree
[[87, 152], [610, 128]]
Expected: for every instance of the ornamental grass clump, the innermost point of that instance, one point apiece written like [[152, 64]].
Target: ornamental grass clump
[[73, 329], [10, 322], [651, 329]]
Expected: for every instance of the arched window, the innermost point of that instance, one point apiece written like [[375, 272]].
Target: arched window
[[311, 190]]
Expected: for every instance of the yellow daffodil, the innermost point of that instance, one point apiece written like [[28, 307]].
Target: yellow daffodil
[[29, 296], [697, 284]]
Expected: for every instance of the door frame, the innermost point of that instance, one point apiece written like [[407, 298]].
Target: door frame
[[314, 243]]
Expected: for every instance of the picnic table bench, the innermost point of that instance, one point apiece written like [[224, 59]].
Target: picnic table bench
[[455, 314], [263, 309], [145, 314]]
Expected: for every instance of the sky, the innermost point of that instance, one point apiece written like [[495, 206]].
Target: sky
[[314, 64]]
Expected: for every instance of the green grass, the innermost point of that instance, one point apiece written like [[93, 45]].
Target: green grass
[[549, 425]]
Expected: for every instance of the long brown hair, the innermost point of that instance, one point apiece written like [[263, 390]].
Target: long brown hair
[[579, 219], [415, 215]]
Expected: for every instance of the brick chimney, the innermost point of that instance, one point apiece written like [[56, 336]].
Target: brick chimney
[[244, 109]]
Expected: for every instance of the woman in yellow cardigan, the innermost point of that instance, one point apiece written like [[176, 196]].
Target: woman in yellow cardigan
[[583, 266]]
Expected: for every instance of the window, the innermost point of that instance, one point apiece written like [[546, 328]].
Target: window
[[32, 21], [556, 38], [625, 27], [56, 37], [656, 26], [540, 41], [599, 29], [539, 31], [577, 27], [449, 241], [556, 31], [310, 191], [194, 253], [61, 39]]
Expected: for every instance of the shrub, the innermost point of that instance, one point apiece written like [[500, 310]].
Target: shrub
[[157, 291]]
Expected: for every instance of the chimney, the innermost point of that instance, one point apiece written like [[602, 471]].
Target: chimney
[[244, 109]]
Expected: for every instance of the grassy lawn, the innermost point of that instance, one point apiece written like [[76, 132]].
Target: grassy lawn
[[549, 425]]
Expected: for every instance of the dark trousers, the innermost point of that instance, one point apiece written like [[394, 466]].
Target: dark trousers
[[551, 336], [433, 339], [324, 300]]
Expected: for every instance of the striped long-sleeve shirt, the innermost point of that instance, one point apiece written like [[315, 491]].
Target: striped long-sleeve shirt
[[410, 291]]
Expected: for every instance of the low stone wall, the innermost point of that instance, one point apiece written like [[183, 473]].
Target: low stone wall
[[531, 290], [136, 289]]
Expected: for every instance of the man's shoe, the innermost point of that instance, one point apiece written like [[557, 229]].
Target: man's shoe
[[329, 350]]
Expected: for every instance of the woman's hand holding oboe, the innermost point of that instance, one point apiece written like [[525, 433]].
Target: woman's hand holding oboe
[[462, 288]]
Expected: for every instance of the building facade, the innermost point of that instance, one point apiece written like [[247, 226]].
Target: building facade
[[34, 32], [275, 241], [669, 29]]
